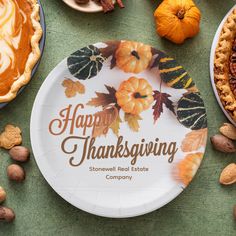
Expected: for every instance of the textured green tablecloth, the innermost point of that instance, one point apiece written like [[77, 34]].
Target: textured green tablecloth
[[204, 208]]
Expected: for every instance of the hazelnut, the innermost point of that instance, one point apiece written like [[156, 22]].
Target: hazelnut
[[16, 173], [19, 153], [2, 195], [223, 144], [6, 214]]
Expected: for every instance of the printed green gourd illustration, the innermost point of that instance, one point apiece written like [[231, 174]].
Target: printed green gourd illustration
[[85, 63]]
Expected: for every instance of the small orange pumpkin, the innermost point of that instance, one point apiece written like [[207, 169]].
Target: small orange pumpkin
[[133, 57], [134, 95], [177, 20]]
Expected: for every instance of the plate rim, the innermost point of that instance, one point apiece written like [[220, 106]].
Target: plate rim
[[82, 205], [82, 9], [212, 57]]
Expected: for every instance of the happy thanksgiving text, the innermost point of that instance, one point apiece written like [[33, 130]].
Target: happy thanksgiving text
[[81, 129]]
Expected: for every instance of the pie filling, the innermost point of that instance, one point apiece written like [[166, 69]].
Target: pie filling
[[232, 66], [16, 31]]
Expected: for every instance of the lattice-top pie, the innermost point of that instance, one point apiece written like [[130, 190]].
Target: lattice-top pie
[[225, 65], [20, 33]]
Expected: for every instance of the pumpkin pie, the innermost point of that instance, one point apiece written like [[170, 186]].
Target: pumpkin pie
[[20, 33], [225, 65]]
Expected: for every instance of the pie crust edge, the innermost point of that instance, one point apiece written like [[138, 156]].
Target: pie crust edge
[[33, 56], [221, 64]]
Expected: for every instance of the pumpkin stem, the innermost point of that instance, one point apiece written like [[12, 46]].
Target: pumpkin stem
[[138, 95], [181, 13], [135, 54]]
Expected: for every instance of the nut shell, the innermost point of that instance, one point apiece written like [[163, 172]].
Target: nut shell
[[223, 144], [2, 195], [6, 214], [19, 153], [16, 173], [228, 130], [228, 175]]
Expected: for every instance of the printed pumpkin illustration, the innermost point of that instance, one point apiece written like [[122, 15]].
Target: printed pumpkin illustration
[[173, 74], [85, 63], [187, 168], [133, 57], [191, 111], [134, 95], [177, 20]]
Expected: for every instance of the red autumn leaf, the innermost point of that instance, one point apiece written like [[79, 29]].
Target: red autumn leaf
[[157, 55], [160, 100]]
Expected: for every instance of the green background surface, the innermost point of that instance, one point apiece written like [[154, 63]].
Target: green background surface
[[204, 208]]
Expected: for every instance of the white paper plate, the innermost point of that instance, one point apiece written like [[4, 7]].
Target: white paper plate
[[91, 7], [168, 151], [212, 56]]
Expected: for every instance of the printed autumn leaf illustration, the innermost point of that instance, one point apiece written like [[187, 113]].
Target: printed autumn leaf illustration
[[157, 55], [106, 118], [132, 121], [73, 87], [194, 140], [115, 126], [110, 51], [104, 99], [161, 99], [187, 168]]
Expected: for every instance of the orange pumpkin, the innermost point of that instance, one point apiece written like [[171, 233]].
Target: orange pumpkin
[[177, 20], [134, 95], [133, 57]]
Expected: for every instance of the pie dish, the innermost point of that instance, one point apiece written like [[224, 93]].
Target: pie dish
[[225, 65], [20, 33], [90, 7]]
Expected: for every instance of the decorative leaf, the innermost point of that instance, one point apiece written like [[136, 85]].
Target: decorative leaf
[[113, 62], [157, 52], [133, 121], [161, 99], [194, 140], [158, 55], [105, 119], [155, 62], [72, 87], [104, 99], [110, 51], [115, 126]]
